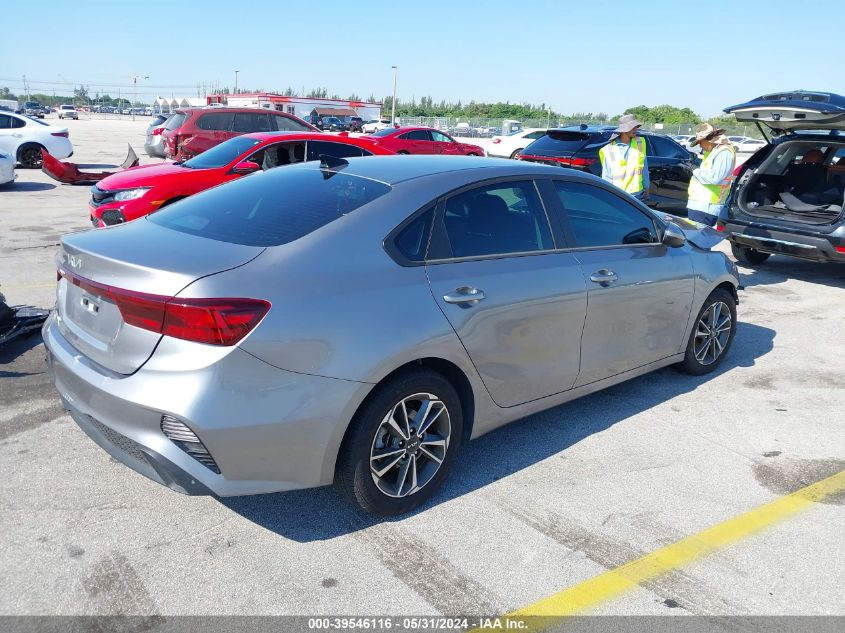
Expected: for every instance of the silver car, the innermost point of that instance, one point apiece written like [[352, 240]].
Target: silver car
[[355, 321], [154, 143]]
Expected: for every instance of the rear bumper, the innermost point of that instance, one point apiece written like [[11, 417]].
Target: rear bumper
[[267, 429], [819, 247]]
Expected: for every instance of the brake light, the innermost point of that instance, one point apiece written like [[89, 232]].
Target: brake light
[[583, 162], [222, 322], [62, 134], [720, 227], [496, 140], [157, 131], [840, 249]]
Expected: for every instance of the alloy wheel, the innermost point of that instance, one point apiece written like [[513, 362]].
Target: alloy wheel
[[712, 333], [31, 157], [410, 445]]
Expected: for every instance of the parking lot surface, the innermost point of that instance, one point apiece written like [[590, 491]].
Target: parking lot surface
[[545, 504]]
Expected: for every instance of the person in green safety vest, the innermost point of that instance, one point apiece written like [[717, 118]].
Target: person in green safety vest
[[623, 160], [711, 182]]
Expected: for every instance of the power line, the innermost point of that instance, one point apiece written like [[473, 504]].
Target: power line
[[17, 81]]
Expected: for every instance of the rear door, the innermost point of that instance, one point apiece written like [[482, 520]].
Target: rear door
[[215, 128], [418, 142], [517, 305], [10, 134], [639, 291], [670, 169]]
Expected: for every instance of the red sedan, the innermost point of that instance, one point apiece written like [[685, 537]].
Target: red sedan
[[422, 140], [135, 192]]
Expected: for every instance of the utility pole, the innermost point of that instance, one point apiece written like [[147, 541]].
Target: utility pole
[[393, 104], [135, 79], [236, 81]]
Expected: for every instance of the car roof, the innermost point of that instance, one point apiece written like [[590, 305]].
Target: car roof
[[244, 109], [392, 170], [306, 136]]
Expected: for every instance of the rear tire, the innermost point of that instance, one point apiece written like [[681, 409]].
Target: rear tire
[[517, 152], [425, 447], [403, 152], [748, 256], [712, 334], [29, 156]]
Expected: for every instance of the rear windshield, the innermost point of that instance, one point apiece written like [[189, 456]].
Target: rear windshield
[[567, 142], [175, 121], [222, 154], [270, 208]]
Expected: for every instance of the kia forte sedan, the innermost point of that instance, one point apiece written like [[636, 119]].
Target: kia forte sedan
[[356, 321]]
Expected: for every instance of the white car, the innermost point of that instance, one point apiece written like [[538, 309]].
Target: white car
[[68, 112], [22, 138], [7, 169], [512, 144], [374, 126], [749, 146]]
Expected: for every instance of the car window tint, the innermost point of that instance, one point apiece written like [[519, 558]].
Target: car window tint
[[338, 150], [417, 135], [598, 217], [412, 241], [5, 122], [665, 148], [222, 154], [497, 219], [270, 208], [289, 124], [215, 121], [440, 137], [535, 135], [175, 121], [246, 123]]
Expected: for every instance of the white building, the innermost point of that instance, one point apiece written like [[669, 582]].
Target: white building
[[300, 106]]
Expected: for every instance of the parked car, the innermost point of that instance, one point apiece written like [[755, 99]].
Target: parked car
[[34, 109], [463, 129], [357, 322], [422, 140], [154, 144], [133, 193], [512, 144], [782, 200], [23, 137], [7, 168], [67, 111], [375, 126], [194, 130], [749, 146], [669, 165], [355, 124], [736, 140]]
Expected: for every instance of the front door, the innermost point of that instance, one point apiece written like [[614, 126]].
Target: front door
[[670, 170], [517, 306], [639, 291]]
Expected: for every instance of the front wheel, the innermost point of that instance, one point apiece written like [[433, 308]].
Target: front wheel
[[712, 334], [748, 256], [472, 154], [402, 443]]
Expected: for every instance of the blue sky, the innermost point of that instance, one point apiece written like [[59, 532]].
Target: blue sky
[[574, 56]]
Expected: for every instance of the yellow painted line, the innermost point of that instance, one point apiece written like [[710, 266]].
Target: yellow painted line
[[614, 582]]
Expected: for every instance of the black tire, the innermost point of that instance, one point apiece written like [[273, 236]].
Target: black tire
[[516, 152], [403, 152], [353, 474], [748, 256], [29, 156], [691, 363]]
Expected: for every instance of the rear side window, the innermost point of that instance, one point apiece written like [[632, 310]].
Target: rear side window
[[214, 121], [412, 241], [497, 219], [598, 217], [289, 124], [271, 208], [246, 123], [175, 121], [338, 150]]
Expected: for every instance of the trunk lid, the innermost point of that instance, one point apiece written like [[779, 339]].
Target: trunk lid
[[797, 110], [140, 257]]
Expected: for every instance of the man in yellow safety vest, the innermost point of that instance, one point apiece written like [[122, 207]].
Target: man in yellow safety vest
[[623, 160], [711, 182]]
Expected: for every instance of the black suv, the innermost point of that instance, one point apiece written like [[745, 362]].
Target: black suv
[[669, 164], [788, 197]]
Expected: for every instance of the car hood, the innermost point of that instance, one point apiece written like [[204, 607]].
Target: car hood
[[797, 110], [141, 176]]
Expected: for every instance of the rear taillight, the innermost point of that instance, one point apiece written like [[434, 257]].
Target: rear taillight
[[583, 162], [62, 134], [738, 170], [212, 321], [496, 141], [840, 249], [720, 227], [157, 131]]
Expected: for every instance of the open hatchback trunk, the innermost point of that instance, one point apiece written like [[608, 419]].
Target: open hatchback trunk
[[800, 176]]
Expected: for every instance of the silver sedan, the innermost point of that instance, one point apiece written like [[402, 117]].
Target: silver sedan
[[355, 321]]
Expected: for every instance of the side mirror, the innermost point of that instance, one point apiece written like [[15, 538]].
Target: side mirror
[[245, 167], [673, 236]]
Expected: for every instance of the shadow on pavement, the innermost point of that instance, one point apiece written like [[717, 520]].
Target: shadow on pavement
[[323, 513], [778, 269], [26, 187]]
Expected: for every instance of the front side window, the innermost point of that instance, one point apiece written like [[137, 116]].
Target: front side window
[[440, 137], [497, 219], [598, 217]]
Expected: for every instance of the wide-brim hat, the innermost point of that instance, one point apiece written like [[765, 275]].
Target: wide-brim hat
[[705, 132], [627, 123]]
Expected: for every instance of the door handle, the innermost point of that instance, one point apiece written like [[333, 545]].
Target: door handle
[[465, 294], [604, 277]]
